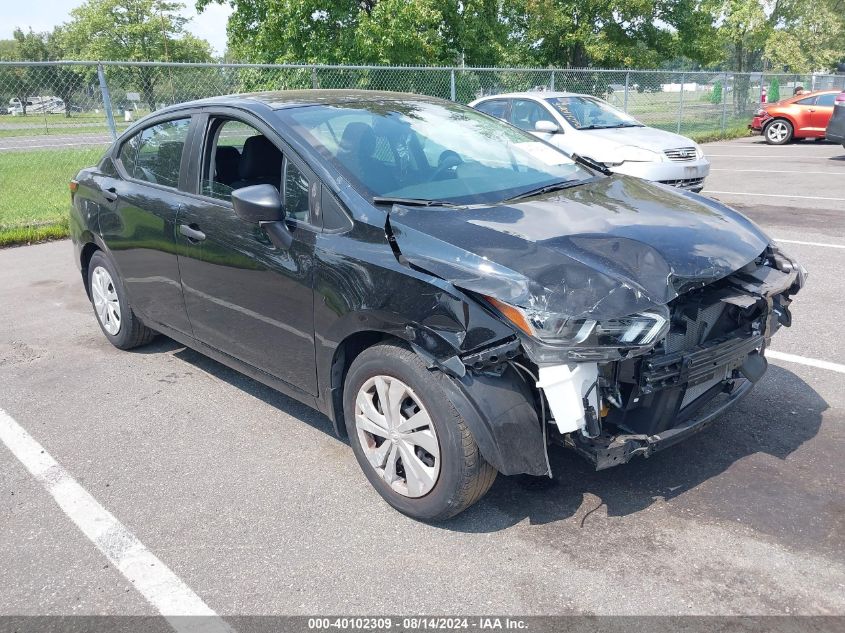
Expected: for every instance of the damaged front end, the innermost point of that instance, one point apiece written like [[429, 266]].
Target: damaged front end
[[627, 337], [710, 357]]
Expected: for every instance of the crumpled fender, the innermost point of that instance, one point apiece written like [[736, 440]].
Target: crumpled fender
[[502, 420]]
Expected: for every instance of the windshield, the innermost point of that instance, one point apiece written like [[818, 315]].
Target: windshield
[[585, 113], [430, 151]]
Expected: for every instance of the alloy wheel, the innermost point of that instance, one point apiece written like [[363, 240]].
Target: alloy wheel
[[106, 302], [777, 132], [397, 436]]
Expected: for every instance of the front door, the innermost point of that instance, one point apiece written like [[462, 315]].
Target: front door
[[245, 297], [821, 112]]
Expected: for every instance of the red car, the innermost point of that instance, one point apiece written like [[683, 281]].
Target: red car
[[801, 116]]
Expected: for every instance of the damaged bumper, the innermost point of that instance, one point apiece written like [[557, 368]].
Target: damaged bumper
[[609, 450]]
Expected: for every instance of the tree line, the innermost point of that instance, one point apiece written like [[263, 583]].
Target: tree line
[[738, 35], [735, 35]]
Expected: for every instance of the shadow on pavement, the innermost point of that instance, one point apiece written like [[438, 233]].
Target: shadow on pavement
[[776, 419]]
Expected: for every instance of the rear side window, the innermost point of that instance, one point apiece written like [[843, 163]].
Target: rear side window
[[495, 107], [155, 154], [807, 102]]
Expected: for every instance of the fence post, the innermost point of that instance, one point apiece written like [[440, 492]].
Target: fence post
[[724, 101], [452, 84], [552, 85], [315, 83], [681, 104], [627, 83], [104, 89], [813, 82], [762, 84]]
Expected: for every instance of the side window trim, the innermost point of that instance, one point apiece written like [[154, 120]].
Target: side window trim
[[186, 151]]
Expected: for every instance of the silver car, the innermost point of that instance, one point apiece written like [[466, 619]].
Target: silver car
[[585, 125]]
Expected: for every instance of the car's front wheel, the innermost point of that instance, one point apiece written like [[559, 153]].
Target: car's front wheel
[[413, 445], [111, 305], [778, 132]]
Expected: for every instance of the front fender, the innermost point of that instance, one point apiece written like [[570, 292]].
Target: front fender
[[502, 419]]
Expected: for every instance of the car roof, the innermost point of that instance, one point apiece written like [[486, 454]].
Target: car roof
[[805, 95], [280, 99], [535, 94]]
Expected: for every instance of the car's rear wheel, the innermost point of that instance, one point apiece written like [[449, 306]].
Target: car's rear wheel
[[778, 132], [111, 306], [412, 444]]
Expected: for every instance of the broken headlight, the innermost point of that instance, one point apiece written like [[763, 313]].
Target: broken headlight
[[590, 338]]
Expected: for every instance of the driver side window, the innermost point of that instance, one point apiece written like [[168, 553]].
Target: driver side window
[[525, 114]]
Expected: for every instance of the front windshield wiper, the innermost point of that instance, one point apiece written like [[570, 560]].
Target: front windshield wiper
[[592, 164], [412, 202], [556, 186], [610, 127]]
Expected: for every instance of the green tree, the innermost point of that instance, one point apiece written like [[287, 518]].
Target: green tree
[[773, 95], [716, 93], [134, 30]]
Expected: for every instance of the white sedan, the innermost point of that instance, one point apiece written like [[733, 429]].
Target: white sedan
[[585, 125]]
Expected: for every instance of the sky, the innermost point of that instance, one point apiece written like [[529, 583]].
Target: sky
[[43, 15]]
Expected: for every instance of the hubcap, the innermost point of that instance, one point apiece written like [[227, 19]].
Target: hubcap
[[105, 299], [397, 435], [777, 131]]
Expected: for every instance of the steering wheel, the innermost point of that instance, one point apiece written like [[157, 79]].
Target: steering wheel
[[446, 163]]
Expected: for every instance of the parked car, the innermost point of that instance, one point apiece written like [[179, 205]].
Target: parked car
[[585, 125], [37, 105], [835, 131], [802, 116], [453, 293]]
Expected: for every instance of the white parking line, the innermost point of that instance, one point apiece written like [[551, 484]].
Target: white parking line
[[772, 195], [780, 171], [151, 577], [777, 239], [803, 360], [788, 156]]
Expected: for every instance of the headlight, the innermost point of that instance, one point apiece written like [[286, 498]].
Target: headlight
[[590, 338], [699, 152]]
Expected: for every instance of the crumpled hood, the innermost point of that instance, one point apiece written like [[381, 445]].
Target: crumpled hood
[[603, 249]]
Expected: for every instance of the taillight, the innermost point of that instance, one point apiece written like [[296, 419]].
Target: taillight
[[73, 186], [840, 99]]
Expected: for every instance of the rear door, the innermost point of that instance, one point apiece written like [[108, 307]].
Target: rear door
[[137, 218], [245, 297]]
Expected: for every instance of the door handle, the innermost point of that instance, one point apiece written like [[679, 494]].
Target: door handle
[[193, 235], [110, 194]]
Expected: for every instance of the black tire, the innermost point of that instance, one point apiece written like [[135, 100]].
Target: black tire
[[464, 475], [132, 332], [776, 125]]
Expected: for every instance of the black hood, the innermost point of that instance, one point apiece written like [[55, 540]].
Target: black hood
[[603, 249]]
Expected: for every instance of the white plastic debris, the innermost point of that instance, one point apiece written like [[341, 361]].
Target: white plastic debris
[[565, 387]]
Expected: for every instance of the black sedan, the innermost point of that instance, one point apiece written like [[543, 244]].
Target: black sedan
[[454, 294], [836, 126]]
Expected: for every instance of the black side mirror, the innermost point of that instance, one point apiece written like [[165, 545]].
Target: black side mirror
[[258, 203], [262, 205]]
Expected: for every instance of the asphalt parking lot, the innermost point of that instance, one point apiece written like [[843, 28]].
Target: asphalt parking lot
[[247, 498]]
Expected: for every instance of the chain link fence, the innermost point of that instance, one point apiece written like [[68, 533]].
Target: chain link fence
[[56, 117]]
